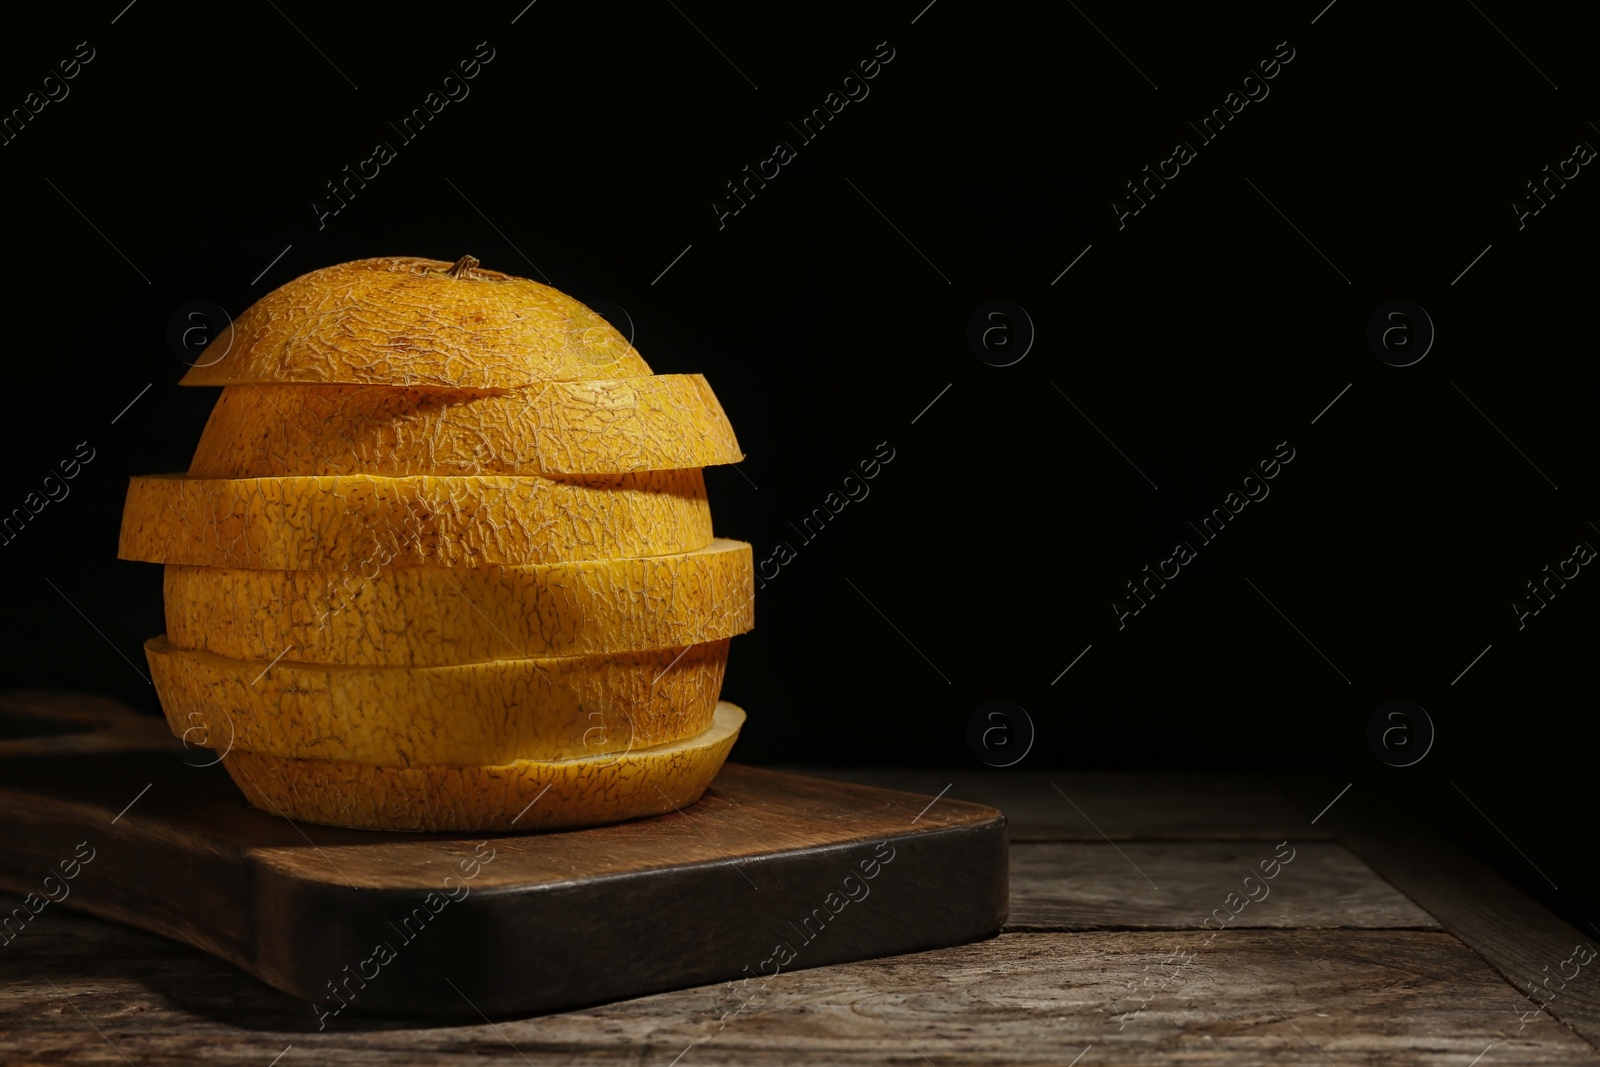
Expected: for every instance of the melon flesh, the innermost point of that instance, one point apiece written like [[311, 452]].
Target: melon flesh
[[464, 714], [526, 795]]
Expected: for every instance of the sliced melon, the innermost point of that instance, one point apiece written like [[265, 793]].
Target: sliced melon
[[525, 795], [361, 521], [467, 714], [660, 422], [427, 616], [403, 321]]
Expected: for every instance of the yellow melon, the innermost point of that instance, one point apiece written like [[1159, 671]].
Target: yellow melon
[[525, 795], [443, 559], [660, 422], [400, 320], [361, 521], [462, 714], [427, 616]]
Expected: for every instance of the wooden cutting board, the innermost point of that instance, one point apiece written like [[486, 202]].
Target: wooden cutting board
[[767, 872]]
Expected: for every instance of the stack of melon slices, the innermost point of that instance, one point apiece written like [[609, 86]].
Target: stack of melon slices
[[444, 561]]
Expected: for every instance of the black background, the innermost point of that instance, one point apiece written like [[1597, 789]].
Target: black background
[[829, 313]]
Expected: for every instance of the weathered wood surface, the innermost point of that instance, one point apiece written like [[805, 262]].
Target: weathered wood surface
[[1249, 997], [1180, 885], [1371, 950], [1078, 806], [1537, 952]]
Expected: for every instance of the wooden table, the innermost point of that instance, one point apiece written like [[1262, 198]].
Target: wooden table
[[1327, 943]]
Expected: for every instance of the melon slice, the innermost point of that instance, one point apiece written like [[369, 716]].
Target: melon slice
[[427, 616], [661, 422], [525, 795], [406, 321], [361, 521], [466, 714]]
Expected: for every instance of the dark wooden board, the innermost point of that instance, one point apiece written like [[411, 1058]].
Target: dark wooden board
[[499, 924]]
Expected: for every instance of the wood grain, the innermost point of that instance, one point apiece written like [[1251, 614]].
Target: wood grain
[[1178, 886], [1250, 997], [1519, 937]]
